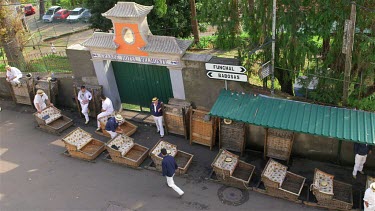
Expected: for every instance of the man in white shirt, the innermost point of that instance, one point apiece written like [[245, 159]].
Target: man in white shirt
[[40, 100], [369, 198], [84, 98], [107, 109], [13, 75]]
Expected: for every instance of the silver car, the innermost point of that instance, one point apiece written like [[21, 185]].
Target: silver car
[[75, 15], [48, 17]]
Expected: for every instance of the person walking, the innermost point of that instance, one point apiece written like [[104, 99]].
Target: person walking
[[369, 198], [40, 100], [107, 109], [84, 98], [157, 113], [13, 75], [361, 151], [112, 126], [169, 167]]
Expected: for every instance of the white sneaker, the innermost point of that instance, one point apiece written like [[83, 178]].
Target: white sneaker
[[97, 129], [86, 122]]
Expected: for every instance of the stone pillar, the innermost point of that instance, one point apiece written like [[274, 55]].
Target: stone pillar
[[106, 78], [177, 82]]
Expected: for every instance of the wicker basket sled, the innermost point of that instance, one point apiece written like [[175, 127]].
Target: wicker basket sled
[[331, 193], [281, 183], [23, 94], [128, 128], [52, 121], [202, 128], [183, 159], [80, 144], [231, 171], [278, 144], [232, 136], [174, 119], [128, 153]]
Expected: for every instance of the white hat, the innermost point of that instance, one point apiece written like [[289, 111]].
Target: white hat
[[372, 185], [119, 118], [40, 92]]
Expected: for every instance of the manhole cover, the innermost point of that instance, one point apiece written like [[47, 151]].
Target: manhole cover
[[232, 196]]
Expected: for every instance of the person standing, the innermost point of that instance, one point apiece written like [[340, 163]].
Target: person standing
[[157, 113], [369, 198], [40, 100], [112, 126], [53, 48], [13, 75], [84, 98], [107, 109], [361, 151], [169, 167]]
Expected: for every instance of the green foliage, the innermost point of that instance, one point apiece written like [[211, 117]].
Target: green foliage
[[174, 21]]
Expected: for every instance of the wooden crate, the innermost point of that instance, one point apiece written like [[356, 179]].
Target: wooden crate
[[322, 186], [89, 150], [273, 174], [242, 175], [25, 93], [222, 169], [342, 197], [290, 188], [278, 144], [174, 119], [51, 88], [232, 136], [57, 124], [183, 160], [202, 128], [132, 158], [128, 128], [155, 152], [95, 104]]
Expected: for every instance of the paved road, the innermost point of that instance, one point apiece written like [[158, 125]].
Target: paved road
[[35, 176]]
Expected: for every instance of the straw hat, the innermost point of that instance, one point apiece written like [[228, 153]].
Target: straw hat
[[40, 92], [7, 66], [227, 121], [372, 186], [119, 118], [155, 99]]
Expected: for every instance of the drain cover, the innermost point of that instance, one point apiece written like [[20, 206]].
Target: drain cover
[[232, 196]]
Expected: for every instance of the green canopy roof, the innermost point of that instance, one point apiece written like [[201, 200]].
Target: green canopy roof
[[340, 123]]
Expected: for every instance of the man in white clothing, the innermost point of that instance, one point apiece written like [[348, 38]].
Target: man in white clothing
[[84, 98], [157, 113], [13, 75], [107, 109], [369, 198], [40, 101]]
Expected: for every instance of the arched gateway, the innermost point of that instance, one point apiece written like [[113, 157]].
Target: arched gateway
[[133, 65]]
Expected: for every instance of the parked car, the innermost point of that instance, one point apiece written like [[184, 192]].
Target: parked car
[[75, 15], [86, 15], [48, 17], [61, 15], [29, 9]]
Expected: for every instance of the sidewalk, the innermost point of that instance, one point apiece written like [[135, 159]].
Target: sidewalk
[[32, 168]]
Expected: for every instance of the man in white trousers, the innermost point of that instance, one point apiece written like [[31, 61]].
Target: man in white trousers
[[169, 167], [361, 151], [107, 109], [157, 113], [84, 98], [369, 198], [13, 75]]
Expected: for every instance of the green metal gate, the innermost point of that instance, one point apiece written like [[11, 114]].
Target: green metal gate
[[139, 83]]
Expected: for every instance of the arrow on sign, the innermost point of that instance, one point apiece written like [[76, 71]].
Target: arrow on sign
[[225, 68], [227, 76]]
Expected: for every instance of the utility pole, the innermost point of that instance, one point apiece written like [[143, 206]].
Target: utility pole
[[194, 21], [273, 47], [348, 57]]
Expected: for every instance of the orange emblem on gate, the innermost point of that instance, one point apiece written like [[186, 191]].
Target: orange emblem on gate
[[129, 39]]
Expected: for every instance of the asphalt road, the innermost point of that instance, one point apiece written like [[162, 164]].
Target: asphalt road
[[34, 175]]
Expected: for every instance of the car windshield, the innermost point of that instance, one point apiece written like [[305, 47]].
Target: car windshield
[[86, 13], [49, 12], [74, 12]]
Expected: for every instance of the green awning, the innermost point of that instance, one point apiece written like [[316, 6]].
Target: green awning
[[301, 117]]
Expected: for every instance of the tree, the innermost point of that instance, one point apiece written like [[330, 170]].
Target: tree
[[42, 9], [11, 34], [170, 18]]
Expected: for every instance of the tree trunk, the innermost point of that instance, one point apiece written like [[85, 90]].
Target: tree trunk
[[326, 47], [194, 21], [285, 80], [235, 17], [41, 9], [53, 2]]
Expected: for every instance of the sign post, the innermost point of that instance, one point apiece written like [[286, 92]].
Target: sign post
[[226, 72]]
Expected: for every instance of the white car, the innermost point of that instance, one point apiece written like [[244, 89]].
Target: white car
[[75, 15], [48, 17]]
